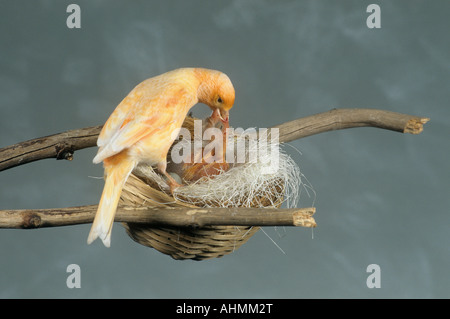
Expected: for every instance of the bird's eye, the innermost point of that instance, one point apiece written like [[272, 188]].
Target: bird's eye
[[219, 100]]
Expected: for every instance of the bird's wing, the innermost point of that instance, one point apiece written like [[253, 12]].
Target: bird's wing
[[134, 119], [117, 118]]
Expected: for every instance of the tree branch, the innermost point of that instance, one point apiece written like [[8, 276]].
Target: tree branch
[[180, 217], [338, 119], [63, 145], [59, 146]]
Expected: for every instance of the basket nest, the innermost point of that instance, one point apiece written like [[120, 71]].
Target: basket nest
[[239, 185]]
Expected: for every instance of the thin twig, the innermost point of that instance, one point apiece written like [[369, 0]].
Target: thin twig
[[338, 119], [180, 217], [59, 146]]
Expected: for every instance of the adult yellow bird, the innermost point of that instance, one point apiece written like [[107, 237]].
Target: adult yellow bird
[[145, 124]]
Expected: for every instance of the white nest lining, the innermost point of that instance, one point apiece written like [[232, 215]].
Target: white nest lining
[[249, 184]]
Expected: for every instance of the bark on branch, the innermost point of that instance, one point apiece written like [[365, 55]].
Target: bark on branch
[[59, 146], [181, 217], [338, 119], [63, 145]]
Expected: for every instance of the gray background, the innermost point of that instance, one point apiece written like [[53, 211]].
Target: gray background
[[382, 197]]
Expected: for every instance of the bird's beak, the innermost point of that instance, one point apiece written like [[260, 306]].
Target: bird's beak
[[224, 115], [220, 114]]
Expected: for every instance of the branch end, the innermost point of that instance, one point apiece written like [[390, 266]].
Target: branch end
[[415, 125], [304, 218]]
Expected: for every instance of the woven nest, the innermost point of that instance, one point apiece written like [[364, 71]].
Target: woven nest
[[143, 188]]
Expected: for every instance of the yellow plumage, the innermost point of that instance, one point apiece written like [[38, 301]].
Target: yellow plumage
[[143, 127]]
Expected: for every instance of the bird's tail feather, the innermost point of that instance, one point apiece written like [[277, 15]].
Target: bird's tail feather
[[116, 176]]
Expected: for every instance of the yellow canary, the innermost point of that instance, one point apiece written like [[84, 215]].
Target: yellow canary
[[143, 127]]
